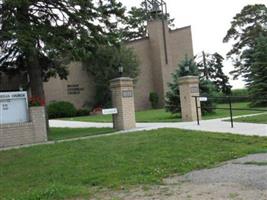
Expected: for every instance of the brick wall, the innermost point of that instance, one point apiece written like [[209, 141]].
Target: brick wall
[[32, 132]]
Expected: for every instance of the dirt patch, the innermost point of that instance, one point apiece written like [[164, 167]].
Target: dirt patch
[[187, 191]]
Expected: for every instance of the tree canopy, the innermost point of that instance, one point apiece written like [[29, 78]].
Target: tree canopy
[[211, 68], [245, 28], [257, 80], [104, 67], [40, 37], [135, 24]]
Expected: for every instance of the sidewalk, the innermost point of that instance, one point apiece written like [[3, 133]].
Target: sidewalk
[[214, 125]]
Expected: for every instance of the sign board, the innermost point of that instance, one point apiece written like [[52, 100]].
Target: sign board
[[127, 93], [13, 107], [195, 89], [203, 99], [110, 111]]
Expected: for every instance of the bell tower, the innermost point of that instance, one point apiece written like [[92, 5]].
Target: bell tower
[[158, 32]]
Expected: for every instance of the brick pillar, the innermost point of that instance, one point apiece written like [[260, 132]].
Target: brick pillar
[[189, 87], [123, 100]]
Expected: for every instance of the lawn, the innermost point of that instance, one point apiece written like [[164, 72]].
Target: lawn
[[226, 113], [161, 115], [158, 115], [259, 119], [68, 133], [71, 170]]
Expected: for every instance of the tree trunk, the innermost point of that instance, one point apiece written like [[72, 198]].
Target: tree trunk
[[36, 80], [35, 75]]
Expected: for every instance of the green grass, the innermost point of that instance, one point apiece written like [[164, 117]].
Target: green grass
[[70, 170], [68, 133], [226, 113], [161, 115], [259, 119]]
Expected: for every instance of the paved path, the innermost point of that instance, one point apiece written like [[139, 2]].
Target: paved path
[[215, 125], [244, 178]]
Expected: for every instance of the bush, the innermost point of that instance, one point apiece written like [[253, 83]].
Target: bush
[[154, 99], [61, 109], [82, 112]]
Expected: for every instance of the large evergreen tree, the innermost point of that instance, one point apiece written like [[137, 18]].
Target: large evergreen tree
[[188, 67], [40, 37], [245, 28], [257, 80], [211, 68]]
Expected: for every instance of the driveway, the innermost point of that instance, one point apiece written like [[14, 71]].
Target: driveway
[[244, 178]]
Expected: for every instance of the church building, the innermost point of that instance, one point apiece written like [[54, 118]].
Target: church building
[[159, 55]]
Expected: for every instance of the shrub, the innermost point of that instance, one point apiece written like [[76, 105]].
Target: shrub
[[61, 109], [36, 101], [82, 112], [154, 99]]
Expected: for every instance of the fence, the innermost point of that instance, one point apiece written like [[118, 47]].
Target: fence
[[228, 100]]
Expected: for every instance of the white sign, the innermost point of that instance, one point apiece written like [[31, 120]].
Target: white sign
[[203, 99], [13, 107], [110, 111]]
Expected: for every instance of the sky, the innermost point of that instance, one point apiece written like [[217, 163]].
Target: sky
[[209, 20]]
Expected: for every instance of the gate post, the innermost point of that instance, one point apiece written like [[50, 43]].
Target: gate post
[[189, 87], [123, 100]]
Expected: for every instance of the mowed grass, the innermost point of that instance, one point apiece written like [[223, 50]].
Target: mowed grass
[[68, 133], [258, 119], [70, 170], [158, 115], [221, 113], [161, 115]]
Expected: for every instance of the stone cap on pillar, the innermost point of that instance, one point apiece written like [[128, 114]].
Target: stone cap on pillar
[[188, 80], [121, 82]]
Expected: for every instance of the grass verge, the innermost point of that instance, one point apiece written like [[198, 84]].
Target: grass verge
[[68, 133], [258, 119], [69, 170]]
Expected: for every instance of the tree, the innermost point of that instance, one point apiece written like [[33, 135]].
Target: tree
[[211, 68], [246, 27], [104, 66], [135, 24], [188, 67], [257, 80], [40, 37], [207, 89], [185, 68]]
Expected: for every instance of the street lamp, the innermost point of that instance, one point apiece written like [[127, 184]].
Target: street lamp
[[120, 70], [187, 68]]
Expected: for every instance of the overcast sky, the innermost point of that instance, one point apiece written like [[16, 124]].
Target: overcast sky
[[210, 20]]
